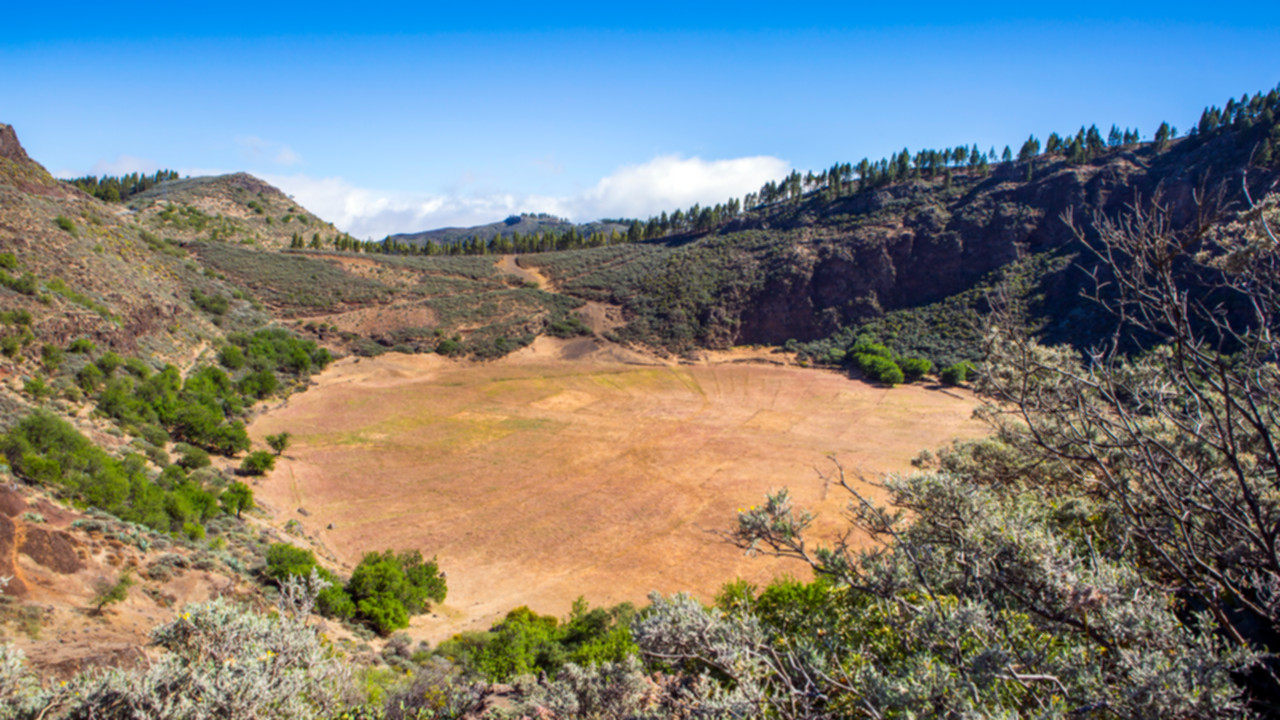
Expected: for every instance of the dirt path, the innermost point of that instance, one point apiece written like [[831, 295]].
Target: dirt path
[[507, 265], [538, 478]]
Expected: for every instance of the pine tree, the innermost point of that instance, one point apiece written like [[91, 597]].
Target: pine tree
[[1030, 149]]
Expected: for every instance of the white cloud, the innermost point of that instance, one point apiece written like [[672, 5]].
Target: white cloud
[[255, 149], [665, 183], [669, 181]]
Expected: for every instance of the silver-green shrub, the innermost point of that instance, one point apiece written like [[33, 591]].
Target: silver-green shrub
[[221, 662], [603, 691]]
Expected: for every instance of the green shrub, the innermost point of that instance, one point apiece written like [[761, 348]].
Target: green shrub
[[879, 368], [231, 357], [48, 451], [67, 225], [15, 317], [8, 261], [109, 363], [449, 347], [89, 378], [279, 442], [52, 356], [26, 284], [237, 498], [914, 368], [526, 643], [82, 345], [866, 346], [956, 374], [212, 304], [109, 593], [259, 384], [155, 435], [387, 588], [567, 327], [10, 345], [156, 455], [191, 457], [37, 388], [137, 368], [259, 462]]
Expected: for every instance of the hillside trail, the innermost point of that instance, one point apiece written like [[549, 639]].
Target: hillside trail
[[600, 317], [507, 265]]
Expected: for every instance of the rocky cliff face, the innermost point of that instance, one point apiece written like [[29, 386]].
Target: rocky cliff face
[[10, 148], [917, 243]]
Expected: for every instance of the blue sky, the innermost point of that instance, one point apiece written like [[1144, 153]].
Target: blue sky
[[387, 118]]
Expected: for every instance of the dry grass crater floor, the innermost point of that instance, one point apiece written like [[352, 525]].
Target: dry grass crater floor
[[537, 479]]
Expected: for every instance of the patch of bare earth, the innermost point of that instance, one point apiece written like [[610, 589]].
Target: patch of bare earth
[[567, 470], [373, 270], [54, 569], [379, 318], [510, 265]]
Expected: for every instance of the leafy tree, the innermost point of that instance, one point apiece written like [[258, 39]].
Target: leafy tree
[[237, 498], [258, 462], [387, 588], [526, 643], [279, 442]]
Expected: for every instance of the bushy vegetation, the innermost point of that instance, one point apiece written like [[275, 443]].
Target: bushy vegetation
[[258, 462], [384, 590], [877, 362], [956, 374], [290, 280], [205, 409], [526, 643], [46, 450], [219, 660]]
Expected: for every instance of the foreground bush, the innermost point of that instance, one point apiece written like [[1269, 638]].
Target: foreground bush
[[1107, 554], [526, 643], [219, 661]]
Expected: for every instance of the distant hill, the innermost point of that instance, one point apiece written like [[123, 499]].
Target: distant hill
[[238, 206], [525, 224]]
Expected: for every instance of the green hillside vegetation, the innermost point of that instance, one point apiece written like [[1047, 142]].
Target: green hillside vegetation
[[45, 450], [204, 413], [206, 408]]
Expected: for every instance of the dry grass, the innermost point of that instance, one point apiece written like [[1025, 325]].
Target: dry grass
[[537, 479]]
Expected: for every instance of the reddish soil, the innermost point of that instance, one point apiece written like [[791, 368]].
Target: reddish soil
[[54, 568], [510, 265], [538, 478]]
